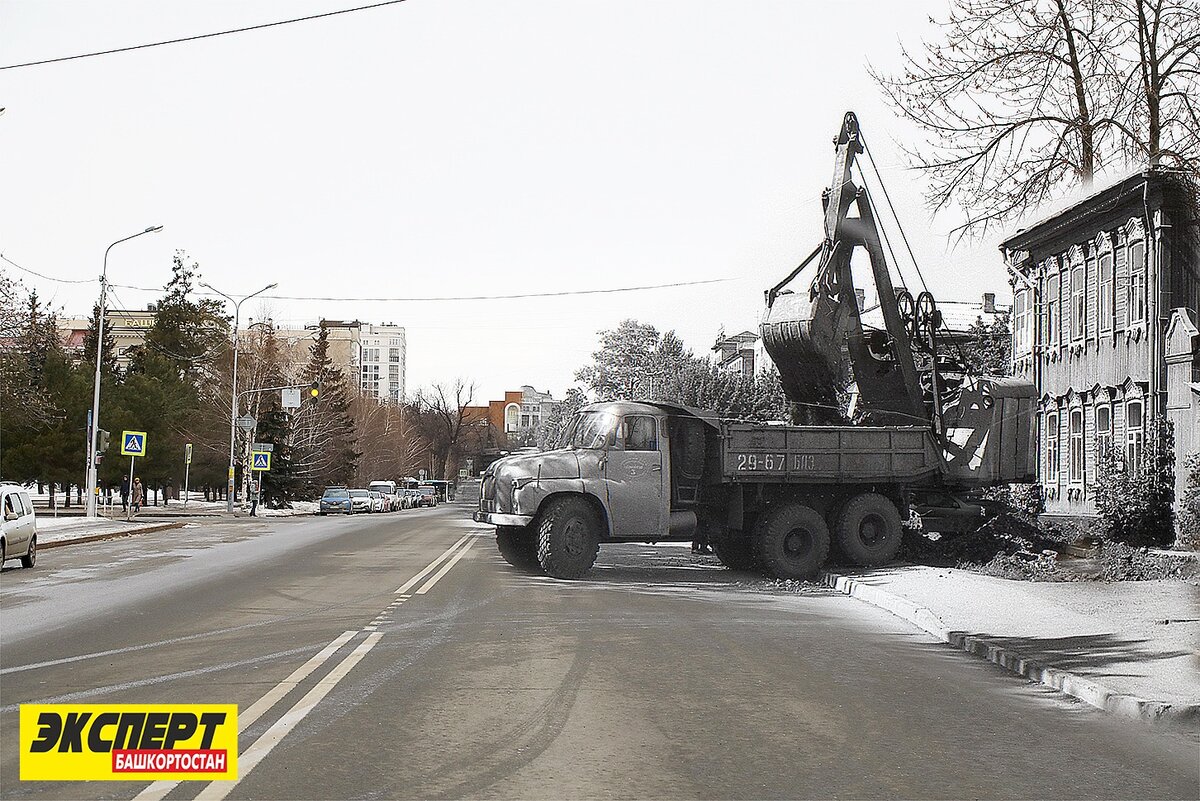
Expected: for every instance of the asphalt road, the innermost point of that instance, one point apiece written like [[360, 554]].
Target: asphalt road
[[663, 676]]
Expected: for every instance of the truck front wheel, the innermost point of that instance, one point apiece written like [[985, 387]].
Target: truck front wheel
[[792, 541], [518, 546], [868, 530], [568, 538]]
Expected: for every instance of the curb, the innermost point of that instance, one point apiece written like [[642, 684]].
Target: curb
[[1090, 692], [111, 535]]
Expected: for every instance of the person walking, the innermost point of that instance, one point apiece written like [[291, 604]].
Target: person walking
[[253, 498], [139, 495], [125, 494]]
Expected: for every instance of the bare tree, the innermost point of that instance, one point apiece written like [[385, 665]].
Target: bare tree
[[1161, 59], [444, 419], [1024, 98]]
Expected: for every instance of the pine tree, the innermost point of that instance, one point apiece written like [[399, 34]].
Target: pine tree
[[108, 363], [190, 334], [325, 442]]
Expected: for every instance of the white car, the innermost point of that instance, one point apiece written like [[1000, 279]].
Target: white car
[[378, 502], [360, 500], [18, 535]]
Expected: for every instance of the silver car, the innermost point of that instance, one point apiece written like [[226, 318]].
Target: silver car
[[18, 534], [360, 501]]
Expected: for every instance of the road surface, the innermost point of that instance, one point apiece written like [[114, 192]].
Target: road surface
[[397, 656]]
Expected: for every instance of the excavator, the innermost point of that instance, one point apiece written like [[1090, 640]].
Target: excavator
[[886, 421], [836, 371]]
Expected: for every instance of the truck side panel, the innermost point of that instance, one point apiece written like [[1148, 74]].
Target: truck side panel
[[827, 454]]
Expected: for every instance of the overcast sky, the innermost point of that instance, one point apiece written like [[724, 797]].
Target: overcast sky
[[454, 147]]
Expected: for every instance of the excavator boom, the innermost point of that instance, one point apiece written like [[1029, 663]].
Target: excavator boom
[[817, 339]]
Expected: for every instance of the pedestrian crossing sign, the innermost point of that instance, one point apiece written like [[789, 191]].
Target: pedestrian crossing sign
[[133, 443], [261, 461]]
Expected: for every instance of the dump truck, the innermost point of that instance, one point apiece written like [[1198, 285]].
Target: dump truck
[[922, 433]]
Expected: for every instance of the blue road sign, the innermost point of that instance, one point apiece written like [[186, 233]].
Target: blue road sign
[[261, 460], [133, 443]]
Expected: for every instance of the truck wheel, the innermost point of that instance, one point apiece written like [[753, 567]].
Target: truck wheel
[[735, 552], [792, 541], [518, 547], [568, 538], [868, 530]]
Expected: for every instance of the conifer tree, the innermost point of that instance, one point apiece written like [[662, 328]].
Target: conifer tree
[[324, 442]]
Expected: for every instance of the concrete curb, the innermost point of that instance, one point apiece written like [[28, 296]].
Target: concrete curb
[[110, 535], [1090, 692]]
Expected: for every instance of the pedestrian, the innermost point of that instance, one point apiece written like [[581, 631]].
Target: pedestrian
[[125, 493], [139, 495], [253, 498]]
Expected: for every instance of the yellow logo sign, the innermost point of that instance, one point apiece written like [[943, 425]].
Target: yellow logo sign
[[128, 742]]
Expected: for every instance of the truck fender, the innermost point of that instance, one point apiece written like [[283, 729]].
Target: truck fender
[[595, 502]]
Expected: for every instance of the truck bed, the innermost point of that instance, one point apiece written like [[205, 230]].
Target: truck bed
[[828, 454]]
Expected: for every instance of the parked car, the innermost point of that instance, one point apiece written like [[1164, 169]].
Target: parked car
[[411, 499], [360, 500], [378, 502], [335, 500], [389, 492], [429, 495], [18, 535]]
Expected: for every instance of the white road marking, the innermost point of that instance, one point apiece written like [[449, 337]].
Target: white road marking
[[445, 569], [158, 790], [258, 750], [432, 566]]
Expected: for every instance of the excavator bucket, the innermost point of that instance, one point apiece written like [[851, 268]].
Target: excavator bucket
[[803, 341]]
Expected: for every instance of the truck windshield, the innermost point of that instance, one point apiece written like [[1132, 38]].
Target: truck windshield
[[590, 430]]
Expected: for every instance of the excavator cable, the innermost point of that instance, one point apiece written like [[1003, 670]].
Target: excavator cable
[[892, 209], [900, 227]]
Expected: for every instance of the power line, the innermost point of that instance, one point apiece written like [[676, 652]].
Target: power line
[[201, 36], [47, 277], [448, 298]]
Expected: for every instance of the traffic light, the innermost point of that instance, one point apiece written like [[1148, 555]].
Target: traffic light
[[102, 438], [314, 389]]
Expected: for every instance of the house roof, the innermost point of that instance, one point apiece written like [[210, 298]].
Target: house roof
[[1080, 210]]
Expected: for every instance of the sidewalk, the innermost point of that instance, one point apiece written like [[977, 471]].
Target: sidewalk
[[1130, 647], [53, 532]]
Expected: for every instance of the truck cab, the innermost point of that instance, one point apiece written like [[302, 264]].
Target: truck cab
[[623, 472]]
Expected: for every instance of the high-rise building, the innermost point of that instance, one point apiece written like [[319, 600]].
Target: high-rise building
[[382, 361]]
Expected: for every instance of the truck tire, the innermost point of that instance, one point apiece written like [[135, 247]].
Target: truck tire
[[735, 553], [792, 541], [517, 546], [568, 538], [868, 530]]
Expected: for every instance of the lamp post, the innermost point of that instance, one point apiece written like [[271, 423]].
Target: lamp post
[[94, 418], [233, 416]]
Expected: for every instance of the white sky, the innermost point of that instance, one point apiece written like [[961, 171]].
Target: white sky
[[455, 147]]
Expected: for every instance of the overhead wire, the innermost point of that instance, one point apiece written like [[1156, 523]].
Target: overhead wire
[[455, 298], [50, 277], [198, 37]]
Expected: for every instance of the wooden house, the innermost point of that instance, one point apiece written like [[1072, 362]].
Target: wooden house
[[1103, 291]]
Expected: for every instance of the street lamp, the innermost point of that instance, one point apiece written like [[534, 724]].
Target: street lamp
[[94, 421], [233, 416]]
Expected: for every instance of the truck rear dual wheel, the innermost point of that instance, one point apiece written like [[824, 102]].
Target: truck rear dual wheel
[[568, 538], [517, 546], [868, 530], [792, 541]]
